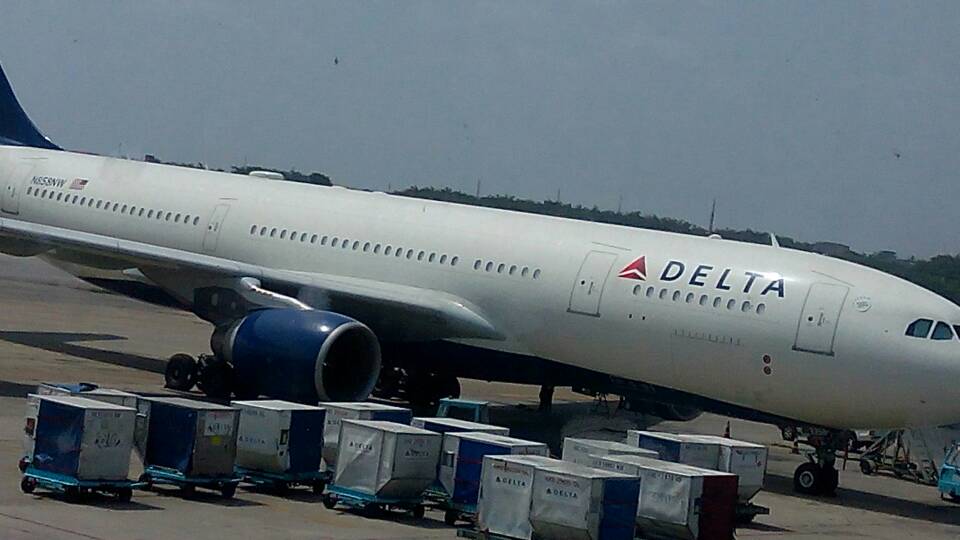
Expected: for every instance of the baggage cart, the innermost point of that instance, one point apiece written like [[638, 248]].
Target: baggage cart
[[581, 451], [383, 465], [677, 448], [461, 469], [339, 411], [749, 462], [279, 444], [577, 502], [506, 490], [679, 501], [464, 409], [439, 424], [190, 444], [79, 445]]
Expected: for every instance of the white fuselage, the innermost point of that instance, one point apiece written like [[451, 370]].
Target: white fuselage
[[785, 332]]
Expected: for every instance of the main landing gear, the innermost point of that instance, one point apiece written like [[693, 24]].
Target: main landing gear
[[819, 476], [212, 375]]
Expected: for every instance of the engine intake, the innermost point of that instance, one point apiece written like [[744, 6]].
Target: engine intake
[[301, 355]]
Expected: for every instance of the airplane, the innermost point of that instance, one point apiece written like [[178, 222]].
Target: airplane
[[327, 293]]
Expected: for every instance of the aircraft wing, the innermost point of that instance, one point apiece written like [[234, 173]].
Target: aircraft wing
[[411, 313]]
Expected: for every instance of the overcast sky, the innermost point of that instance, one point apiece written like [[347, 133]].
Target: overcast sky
[[824, 121]]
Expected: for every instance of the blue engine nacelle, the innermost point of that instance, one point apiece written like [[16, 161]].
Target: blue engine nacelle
[[301, 355]]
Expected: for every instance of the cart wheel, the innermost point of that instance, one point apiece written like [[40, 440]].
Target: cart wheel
[[866, 467], [329, 502], [71, 493], [955, 498], [124, 495], [318, 487], [228, 490], [23, 464], [147, 480], [281, 487], [27, 485], [188, 490], [418, 511], [450, 517]]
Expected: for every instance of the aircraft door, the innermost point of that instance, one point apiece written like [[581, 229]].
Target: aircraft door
[[818, 319], [585, 297], [212, 236], [13, 187]]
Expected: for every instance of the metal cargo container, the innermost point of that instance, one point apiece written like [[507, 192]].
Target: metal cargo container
[[81, 438], [461, 461], [506, 489], [581, 451], [448, 425], [386, 460], [572, 501], [679, 501], [89, 390], [676, 448], [191, 437], [745, 459], [337, 411], [279, 436]]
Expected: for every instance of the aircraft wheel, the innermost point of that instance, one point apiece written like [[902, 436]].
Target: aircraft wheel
[[181, 372], [216, 378], [808, 479]]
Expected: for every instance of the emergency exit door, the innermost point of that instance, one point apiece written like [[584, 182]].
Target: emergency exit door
[[212, 236], [818, 319], [12, 188], [588, 288]]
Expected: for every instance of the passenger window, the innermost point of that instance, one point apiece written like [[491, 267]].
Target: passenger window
[[454, 260], [536, 274], [919, 328], [942, 332]]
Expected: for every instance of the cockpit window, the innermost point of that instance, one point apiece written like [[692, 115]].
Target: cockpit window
[[919, 328], [942, 331]]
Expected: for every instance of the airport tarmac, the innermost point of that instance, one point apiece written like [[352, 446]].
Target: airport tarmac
[[56, 328]]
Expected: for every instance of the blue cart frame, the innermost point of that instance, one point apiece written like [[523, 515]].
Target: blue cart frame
[[317, 480], [73, 488], [452, 511], [226, 485], [354, 499], [949, 477]]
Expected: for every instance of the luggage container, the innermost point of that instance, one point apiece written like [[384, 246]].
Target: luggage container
[[383, 465], [190, 444], [573, 502], [79, 445], [679, 501], [441, 424], [677, 448], [745, 459], [279, 444], [506, 490], [87, 390], [338, 411], [461, 463], [581, 451]]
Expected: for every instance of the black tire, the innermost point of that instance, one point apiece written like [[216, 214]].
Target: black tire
[[808, 479], [71, 493], [789, 433], [318, 487], [124, 495], [450, 517], [831, 480], [418, 511], [227, 491], [216, 379], [188, 490], [954, 497], [27, 484], [181, 372], [23, 464], [866, 467], [329, 502]]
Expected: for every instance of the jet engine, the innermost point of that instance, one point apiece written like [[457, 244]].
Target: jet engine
[[300, 355]]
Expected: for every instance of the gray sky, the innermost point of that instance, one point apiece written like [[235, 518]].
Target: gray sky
[[824, 121]]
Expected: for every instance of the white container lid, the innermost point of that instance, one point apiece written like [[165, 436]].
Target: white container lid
[[276, 405], [84, 403]]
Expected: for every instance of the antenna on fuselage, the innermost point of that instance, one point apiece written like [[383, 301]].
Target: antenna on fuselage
[[713, 213], [773, 240]]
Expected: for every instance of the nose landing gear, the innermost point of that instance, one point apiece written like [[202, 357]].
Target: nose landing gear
[[819, 476]]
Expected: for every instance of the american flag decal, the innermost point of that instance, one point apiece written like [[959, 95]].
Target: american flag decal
[[79, 183]]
